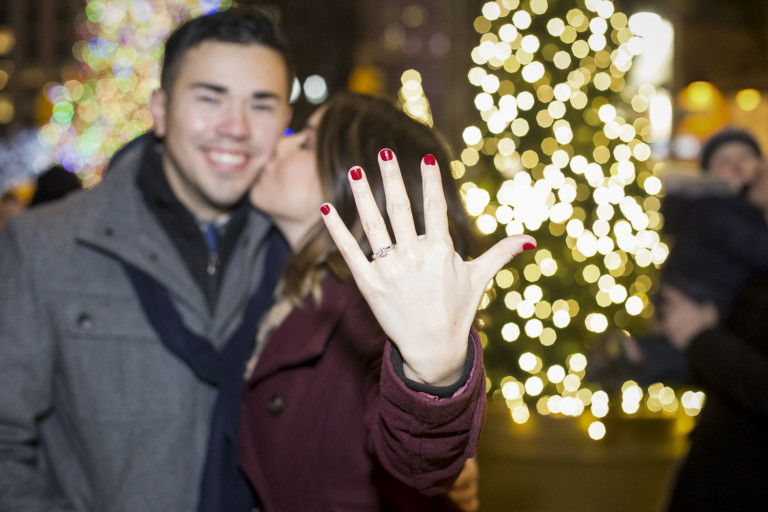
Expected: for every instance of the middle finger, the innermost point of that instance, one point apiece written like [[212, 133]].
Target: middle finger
[[398, 205]]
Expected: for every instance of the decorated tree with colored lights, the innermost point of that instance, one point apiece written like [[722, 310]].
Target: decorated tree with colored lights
[[561, 151], [102, 104]]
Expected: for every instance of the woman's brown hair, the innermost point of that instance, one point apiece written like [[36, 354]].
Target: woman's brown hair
[[352, 131]]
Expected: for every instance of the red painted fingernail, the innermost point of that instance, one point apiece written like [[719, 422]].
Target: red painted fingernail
[[429, 160], [325, 209], [527, 246], [386, 154], [356, 173]]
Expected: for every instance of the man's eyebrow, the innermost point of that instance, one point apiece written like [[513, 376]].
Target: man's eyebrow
[[220, 89], [265, 96], [211, 87]]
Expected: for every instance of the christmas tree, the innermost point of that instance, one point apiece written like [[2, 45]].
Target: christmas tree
[[562, 150], [102, 101]]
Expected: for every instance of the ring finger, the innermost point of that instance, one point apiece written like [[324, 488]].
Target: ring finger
[[370, 216]]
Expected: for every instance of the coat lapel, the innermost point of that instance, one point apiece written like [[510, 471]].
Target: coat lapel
[[305, 333], [243, 273], [118, 223]]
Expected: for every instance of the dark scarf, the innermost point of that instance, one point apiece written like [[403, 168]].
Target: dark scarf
[[181, 226], [224, 488]]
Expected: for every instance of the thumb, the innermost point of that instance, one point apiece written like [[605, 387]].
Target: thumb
[[491, 261]]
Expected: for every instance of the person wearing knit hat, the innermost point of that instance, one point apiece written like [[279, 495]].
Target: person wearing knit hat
[[732, 154], [731, 157], [715, 206], [723, 339]]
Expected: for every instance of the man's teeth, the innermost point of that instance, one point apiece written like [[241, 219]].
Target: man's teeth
[[227, 158]]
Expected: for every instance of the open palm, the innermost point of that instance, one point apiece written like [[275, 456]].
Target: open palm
[[423, 294]]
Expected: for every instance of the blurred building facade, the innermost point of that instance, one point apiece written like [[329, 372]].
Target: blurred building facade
[[721, 43]]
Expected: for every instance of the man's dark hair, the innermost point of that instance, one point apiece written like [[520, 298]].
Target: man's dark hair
[[239, 25]]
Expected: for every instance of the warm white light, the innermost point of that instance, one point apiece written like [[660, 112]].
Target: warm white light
[[660, 115], [528, 361], [556, 373], [295, 90], [315, 89], [472, 135], [555, 27], [525, 100], [596, 430], [508, 33], [510, 332], [634, 305], [511, 390], [475, 200], [491, 11], [521, 19], [483, 102], [534, 386], [533, 71], [533, 293], [530, 43]]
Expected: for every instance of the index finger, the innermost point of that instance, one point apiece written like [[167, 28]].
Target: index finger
[[345, 242]]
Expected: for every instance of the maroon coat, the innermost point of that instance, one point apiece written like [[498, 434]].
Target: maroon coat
[[326, 425]]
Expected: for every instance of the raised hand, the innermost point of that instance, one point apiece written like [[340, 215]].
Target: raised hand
[[682, 318], [422, 293], [464, 493]]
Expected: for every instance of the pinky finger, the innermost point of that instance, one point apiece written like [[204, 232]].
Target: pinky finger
[[345, 242]]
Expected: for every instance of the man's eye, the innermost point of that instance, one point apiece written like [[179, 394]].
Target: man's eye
[[263, 107], [208, 99]]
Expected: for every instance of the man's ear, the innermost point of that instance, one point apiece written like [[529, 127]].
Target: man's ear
[[157, 106]]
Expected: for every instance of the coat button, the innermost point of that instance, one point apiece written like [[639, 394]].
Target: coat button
[[276, 405], [84, 321]]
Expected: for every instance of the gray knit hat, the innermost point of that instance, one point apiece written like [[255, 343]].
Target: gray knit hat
[[727, 135]]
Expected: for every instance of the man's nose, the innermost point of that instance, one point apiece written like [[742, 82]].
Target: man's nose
[[235, 123]]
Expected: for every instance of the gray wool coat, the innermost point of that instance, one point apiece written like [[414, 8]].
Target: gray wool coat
[[95, 413]]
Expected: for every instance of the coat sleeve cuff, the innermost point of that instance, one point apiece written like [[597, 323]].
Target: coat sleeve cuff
[[396, 359]]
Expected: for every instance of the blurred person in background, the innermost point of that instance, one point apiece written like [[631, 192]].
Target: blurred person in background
[[727, 355], [719, 240], [54, 183]]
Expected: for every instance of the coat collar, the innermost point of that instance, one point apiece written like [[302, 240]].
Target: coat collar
[[118, 222], [305, 333]]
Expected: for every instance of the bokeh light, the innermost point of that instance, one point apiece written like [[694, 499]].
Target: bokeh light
[[119, 47], [563, 148]]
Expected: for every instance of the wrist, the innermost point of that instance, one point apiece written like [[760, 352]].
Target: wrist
[[433, 377], [440, 391]]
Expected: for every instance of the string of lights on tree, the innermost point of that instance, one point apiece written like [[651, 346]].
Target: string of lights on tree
[[103, 104], [562, 151], [411, 97]]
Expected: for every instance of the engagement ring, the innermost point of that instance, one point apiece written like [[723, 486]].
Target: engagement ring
[[383, 251]]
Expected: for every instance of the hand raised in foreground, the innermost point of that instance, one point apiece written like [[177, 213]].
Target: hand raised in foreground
[[422, 293], [464, 493]]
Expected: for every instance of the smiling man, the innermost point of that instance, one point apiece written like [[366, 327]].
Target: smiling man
[[121, 307], [220, 118]]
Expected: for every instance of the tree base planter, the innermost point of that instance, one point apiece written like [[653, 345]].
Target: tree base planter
[[551, 464]]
